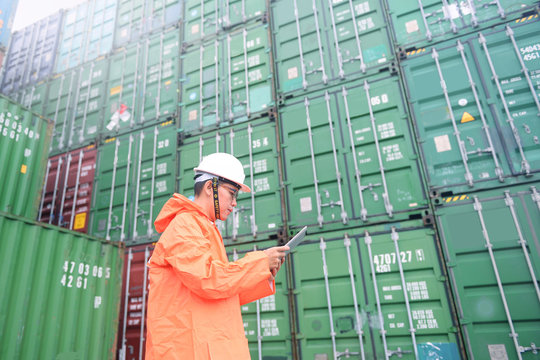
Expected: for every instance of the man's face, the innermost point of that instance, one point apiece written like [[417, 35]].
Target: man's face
[[227, 200]]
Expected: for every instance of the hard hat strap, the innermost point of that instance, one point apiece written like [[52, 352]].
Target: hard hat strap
[[215, 183]]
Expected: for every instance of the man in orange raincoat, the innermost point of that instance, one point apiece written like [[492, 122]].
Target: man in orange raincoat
[[195, 292]]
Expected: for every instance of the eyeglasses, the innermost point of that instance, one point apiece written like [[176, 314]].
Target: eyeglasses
[[233, 193]]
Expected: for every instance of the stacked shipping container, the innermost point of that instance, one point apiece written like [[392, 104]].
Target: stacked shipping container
[[403, 133]]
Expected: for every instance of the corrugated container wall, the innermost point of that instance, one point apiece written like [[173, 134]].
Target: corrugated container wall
[[24, 140], [267, 321], [32, 54], [67, 191], [416, 24], [8, 8], [492, 248], [136, 19], [142, 87], [237, 88], [132, 324], [349, 157], [60, 292], [319, 43], [259, 214], [205, 19], [475, 104], [372, 293], [87, 33], [135, 176]]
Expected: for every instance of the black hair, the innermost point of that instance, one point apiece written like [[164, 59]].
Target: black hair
[[199, 186]]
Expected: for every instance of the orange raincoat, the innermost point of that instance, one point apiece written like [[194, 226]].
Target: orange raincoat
[[195, 292]]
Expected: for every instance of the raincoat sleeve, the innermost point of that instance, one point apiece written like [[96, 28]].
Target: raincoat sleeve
[[262, 289], [193, 260]]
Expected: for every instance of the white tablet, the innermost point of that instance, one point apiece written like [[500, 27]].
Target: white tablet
[[296, 239]]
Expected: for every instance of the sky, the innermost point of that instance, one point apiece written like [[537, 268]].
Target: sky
[[30, 11]]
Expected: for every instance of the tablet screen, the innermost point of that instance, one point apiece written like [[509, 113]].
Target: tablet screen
[[297, 239]]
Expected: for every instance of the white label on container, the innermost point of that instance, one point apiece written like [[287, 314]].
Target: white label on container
[[192, 115], [462, 102], [272, 226], [497, 352], [259, 166], [418, 290], [366, 24], [305, 204], [161, 168], [195, 29], [27, 152], [261, 184], [268, 303], [442, 143], [411, 26], [292, 73], [392, 152], [451, 11], [386, 130], [269, 327], [424, 319], [362, 8], [97, 302]]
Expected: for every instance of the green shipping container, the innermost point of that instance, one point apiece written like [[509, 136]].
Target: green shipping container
[[87, 33], [267, 320], [86, 122], [205, 19], [475, 104], [317, 43], [60, 292], [349, 157], [59, 108], [419, 23], [24, 141], [136, 18], [258, 214], [33, 97], [224, 92], [375, 292], [134, 178], [492, 251], [143, 84]]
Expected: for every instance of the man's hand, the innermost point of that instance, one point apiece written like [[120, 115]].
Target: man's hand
[[276, 257]]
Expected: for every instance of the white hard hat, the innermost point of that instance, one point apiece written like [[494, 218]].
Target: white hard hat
[[226, 166]]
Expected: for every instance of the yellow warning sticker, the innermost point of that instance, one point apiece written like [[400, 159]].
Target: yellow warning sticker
[[456, 198], [167, 83], [23, 169], [466, 117], [80, 221], [116, 90]]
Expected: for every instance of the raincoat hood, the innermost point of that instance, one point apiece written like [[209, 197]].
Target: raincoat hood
[[178, 203]]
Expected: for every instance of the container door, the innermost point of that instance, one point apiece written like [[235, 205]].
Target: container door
[[258, 214], [490, 241]]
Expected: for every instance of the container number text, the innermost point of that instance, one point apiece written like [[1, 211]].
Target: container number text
[[77, 274], [383, 261]]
